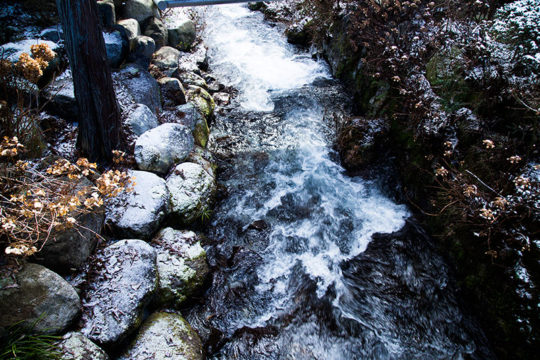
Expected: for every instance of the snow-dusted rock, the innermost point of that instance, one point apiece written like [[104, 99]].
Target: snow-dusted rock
[[183, 36], [192, 190], [194, 61], [155, 28], [204, 158], [123, 281], [158, 149], [76, 346], [141, 86], [132, 28], [140, 119], [140, 212], [12, 51], [190, 78], [181, 264], [166, 60], [189, 115], [222, 98], [165, 336], [142, 48], [34, 291], [172, 92], [116, 47], [140, 10]]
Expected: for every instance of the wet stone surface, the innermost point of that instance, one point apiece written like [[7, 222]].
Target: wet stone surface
[[123, 280]]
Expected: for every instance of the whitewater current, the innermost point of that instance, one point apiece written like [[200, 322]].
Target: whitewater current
[[298, 272]]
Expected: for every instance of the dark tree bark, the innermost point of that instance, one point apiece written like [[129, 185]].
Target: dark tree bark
[[99, 114]]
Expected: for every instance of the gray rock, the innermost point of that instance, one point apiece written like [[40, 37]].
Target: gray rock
[[76, 346], [192, 191], [172, 92], [204, 158], [116, 47], [37, 292], [188, 115], [194, 61], [140, 119], [123, 282], [166, 60], [107, 13], [155, 28], [132, 28], [70, 248], [139, 213], [140, 10], [12, 51], [53, 33], [190, 78], [165, 336], [142, 49], [158, 149], [59, 97], [222, 98], [141, 86], [181, 264], [183, 36]]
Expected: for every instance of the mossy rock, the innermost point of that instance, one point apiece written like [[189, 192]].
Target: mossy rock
[[181, 264], [165, 336], [203, 101]]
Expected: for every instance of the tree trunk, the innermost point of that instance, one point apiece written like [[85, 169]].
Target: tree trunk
[[99, 114]]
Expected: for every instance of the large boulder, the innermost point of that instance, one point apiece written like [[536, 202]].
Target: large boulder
[[36, 292], [181, 264], [172, 92], [122, 282], [140, 119], [69, 249], [140, 212], [192, 190], [140, 10], [76, 346], [141, 86], [116, 47], [183, 36], [165, 336], [132, 28], [155, 28], [166, 60], [142, 49], [158, 149]]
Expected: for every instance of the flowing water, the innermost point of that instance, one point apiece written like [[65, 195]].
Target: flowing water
[[298, 271]]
